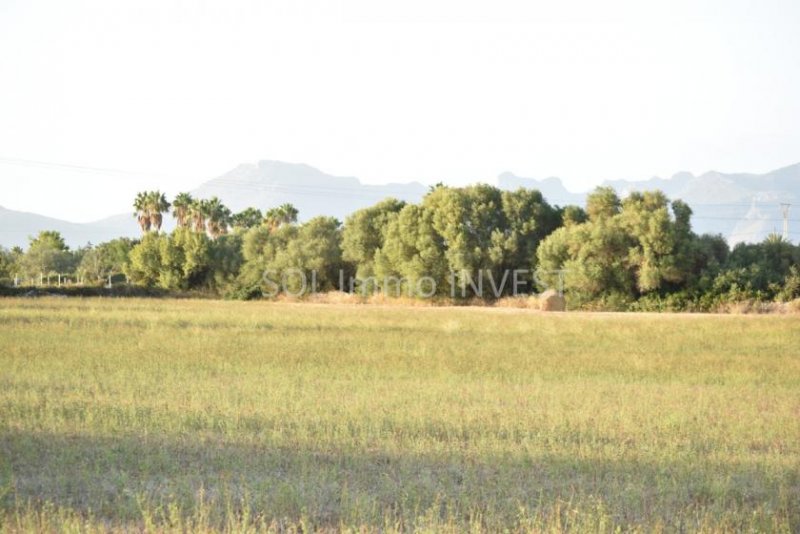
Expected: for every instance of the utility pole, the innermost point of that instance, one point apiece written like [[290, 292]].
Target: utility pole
[[785, 209]]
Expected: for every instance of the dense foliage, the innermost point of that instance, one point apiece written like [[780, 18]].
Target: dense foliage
[[637, 252]]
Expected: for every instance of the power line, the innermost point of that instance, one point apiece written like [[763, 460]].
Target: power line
[[76, 168], [362, 191]]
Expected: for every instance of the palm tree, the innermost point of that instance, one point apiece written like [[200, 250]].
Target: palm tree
[[289, 213], [219, 217], [248, 218], [277, 217], [197, 215], [180, 209], [774, 238], [142, 215], [157, 205], [272, 219]]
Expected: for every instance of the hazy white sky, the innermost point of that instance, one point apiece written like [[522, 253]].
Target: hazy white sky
[[457, 91]]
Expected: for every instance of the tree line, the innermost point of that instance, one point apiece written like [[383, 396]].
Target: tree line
[[637, 252]]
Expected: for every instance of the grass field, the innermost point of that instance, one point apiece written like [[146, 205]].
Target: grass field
[[194, 415]]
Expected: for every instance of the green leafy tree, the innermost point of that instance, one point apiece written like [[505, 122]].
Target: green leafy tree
[[661, 235], [180, 260], [316, 249], [528, 220], [602, 203], [364, 234], [246, 219], [412, 251], [758, 270], [225, 257], [185, 260], [791, 285], [708, 255], [144, 267], [260, 245], [477, 233], [47, 254], [7, 266], [470, 222], [106, 259], [625, 249], [292, 256], [573, 215]]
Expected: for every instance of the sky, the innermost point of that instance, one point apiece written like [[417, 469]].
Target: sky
[[101, 99]]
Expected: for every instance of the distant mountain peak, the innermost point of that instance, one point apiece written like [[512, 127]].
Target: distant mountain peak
[[682, 176], [740, 206], [270, 183], [552, 188]]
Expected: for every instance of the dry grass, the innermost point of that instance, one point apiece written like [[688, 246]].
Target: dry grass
[[520, 301], [748, 307], [197, 416]]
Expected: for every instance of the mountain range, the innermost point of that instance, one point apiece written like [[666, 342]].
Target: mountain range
[[741, 207]]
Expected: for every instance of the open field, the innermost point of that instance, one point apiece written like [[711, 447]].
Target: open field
[[194, 415]]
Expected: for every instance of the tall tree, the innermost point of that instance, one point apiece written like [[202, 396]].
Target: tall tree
[[149, 208], [225, 261], [218, 217], [142, 211], [475, 233], [294, 255], [46, 254], [105, 259], [573, 215], [181, 208], [626, 249], [157, 206], [282, 215], [602, 203], [272, 219], [144, 267], [662, 232], [246, 219], [289, 213], [174, 261], [197, 213], [364, 234], [528, 220], [412, 250], [7, 265], [184, 259]]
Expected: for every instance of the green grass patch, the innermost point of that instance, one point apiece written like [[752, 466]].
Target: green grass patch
[[207, 415]]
